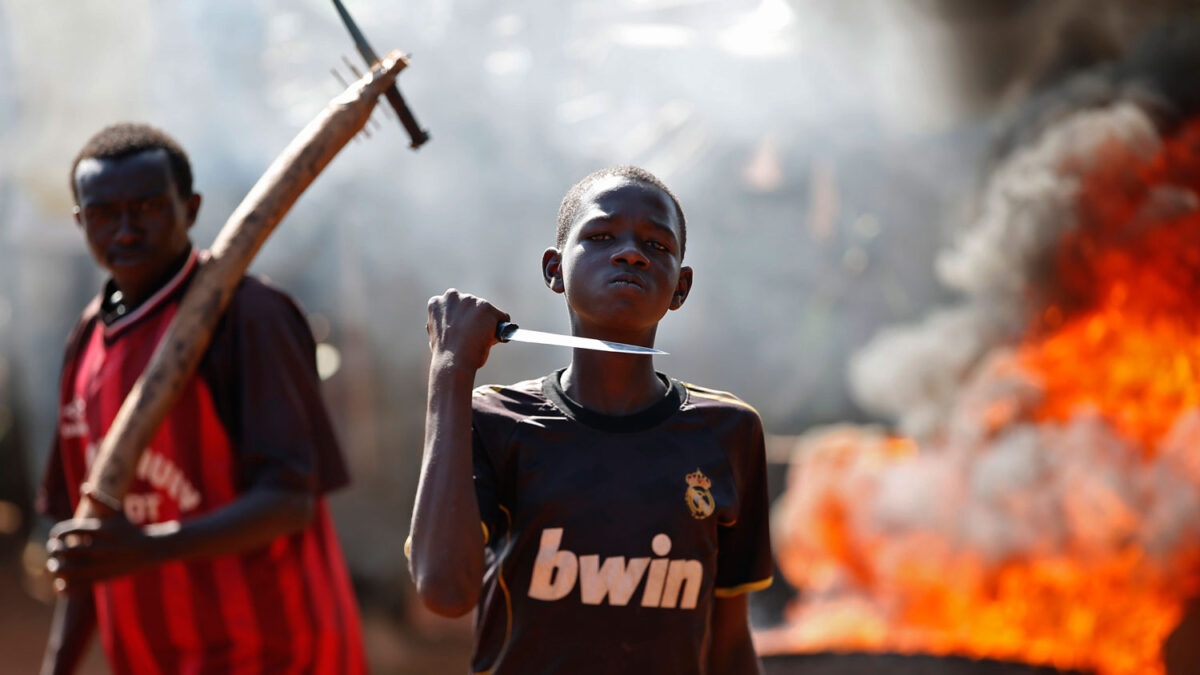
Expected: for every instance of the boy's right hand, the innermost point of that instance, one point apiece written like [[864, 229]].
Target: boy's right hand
[[462, 329]]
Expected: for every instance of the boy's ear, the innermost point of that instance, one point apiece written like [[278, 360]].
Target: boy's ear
[[682, 288], [552, 270], [193, 208]]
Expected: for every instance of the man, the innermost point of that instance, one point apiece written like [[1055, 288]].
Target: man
[[224, 558], [624, 513]]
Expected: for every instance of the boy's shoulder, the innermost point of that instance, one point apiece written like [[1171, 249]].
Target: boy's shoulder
[[511, 400], [715, 400], [724, 413]]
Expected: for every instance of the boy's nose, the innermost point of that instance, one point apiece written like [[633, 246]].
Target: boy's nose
[[127, 224], [628, 254]]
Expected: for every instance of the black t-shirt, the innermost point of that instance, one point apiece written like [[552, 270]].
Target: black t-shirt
[[607, 537]]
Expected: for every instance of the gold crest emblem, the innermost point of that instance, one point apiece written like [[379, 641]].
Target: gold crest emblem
[[699, 499]]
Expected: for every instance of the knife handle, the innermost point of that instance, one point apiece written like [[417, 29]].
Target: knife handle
[[504, 330]]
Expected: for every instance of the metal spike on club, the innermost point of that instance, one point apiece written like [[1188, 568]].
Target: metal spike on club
[[416, 134]]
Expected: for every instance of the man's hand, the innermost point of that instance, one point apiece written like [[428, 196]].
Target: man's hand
[[462, 329], [91, 549], [87, 550]]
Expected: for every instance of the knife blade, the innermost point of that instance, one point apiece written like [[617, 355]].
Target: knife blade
[[506, 332]]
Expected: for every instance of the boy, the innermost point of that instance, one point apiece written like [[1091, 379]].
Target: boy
[[223, 556], [624, 513]]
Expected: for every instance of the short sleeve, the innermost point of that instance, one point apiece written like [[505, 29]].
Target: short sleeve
[[262, 370], [744, 560]]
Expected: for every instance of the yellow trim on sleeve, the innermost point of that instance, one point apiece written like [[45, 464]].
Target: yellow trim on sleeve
[[485, 531], [743, 588], [714, 396]]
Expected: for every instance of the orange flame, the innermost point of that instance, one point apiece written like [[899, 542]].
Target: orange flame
[[1132, 269], [1116, 339]]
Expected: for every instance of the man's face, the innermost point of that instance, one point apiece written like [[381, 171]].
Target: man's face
[[135, 220], [621, 267]]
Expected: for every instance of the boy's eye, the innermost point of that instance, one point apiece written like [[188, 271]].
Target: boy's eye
[[658, 246], [599, 236], [151, 205], [95, 213]]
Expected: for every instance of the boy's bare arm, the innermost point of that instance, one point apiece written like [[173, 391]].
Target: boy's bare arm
[[446, 555], [72, 629], [731, 651]]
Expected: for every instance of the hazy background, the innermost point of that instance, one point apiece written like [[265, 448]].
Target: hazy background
[[823, 150]]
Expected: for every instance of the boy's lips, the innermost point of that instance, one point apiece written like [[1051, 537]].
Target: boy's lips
[[127, 256], [627, 280]]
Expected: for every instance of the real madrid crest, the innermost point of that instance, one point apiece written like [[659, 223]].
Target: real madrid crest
[[698, 498]]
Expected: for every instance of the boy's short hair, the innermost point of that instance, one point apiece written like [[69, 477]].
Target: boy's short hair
[[129, 138], [570, 203]]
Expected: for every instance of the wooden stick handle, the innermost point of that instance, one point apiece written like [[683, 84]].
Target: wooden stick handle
[[188, 335]]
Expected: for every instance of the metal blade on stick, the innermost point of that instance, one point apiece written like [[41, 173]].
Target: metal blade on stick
[[417, 136]]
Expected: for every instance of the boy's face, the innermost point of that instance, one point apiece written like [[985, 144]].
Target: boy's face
[[135, 220], [620, 266]]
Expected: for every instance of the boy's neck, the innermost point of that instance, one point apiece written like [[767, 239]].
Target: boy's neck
[[133, 294], [612, 384]]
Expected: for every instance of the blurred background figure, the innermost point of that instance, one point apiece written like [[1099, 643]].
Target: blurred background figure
[[829, 150]]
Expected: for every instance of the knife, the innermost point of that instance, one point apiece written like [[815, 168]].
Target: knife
[[506, 332]]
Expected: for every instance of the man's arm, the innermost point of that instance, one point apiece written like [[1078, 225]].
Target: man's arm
[[71, 631], [731, 652], [446, 555], [261, 368], [84, 551]]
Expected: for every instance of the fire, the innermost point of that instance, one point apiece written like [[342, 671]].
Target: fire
[[1052, 518], [1132, 269]]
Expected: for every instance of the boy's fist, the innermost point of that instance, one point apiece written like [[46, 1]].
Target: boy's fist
[[462, 328]]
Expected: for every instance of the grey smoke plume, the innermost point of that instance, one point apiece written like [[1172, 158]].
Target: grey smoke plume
[[913, 373], [998, 509]]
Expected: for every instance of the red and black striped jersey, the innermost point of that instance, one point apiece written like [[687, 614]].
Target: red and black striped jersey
[[608, 537], [251, 416]]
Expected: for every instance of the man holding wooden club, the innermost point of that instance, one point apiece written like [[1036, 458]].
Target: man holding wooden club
[[222, 556]]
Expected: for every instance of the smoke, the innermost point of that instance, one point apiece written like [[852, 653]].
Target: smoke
[[913, 373], [1018, 520], [1000, 263]]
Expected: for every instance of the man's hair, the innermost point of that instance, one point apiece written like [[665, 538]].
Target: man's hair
[[129, 138], [571, 202]]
